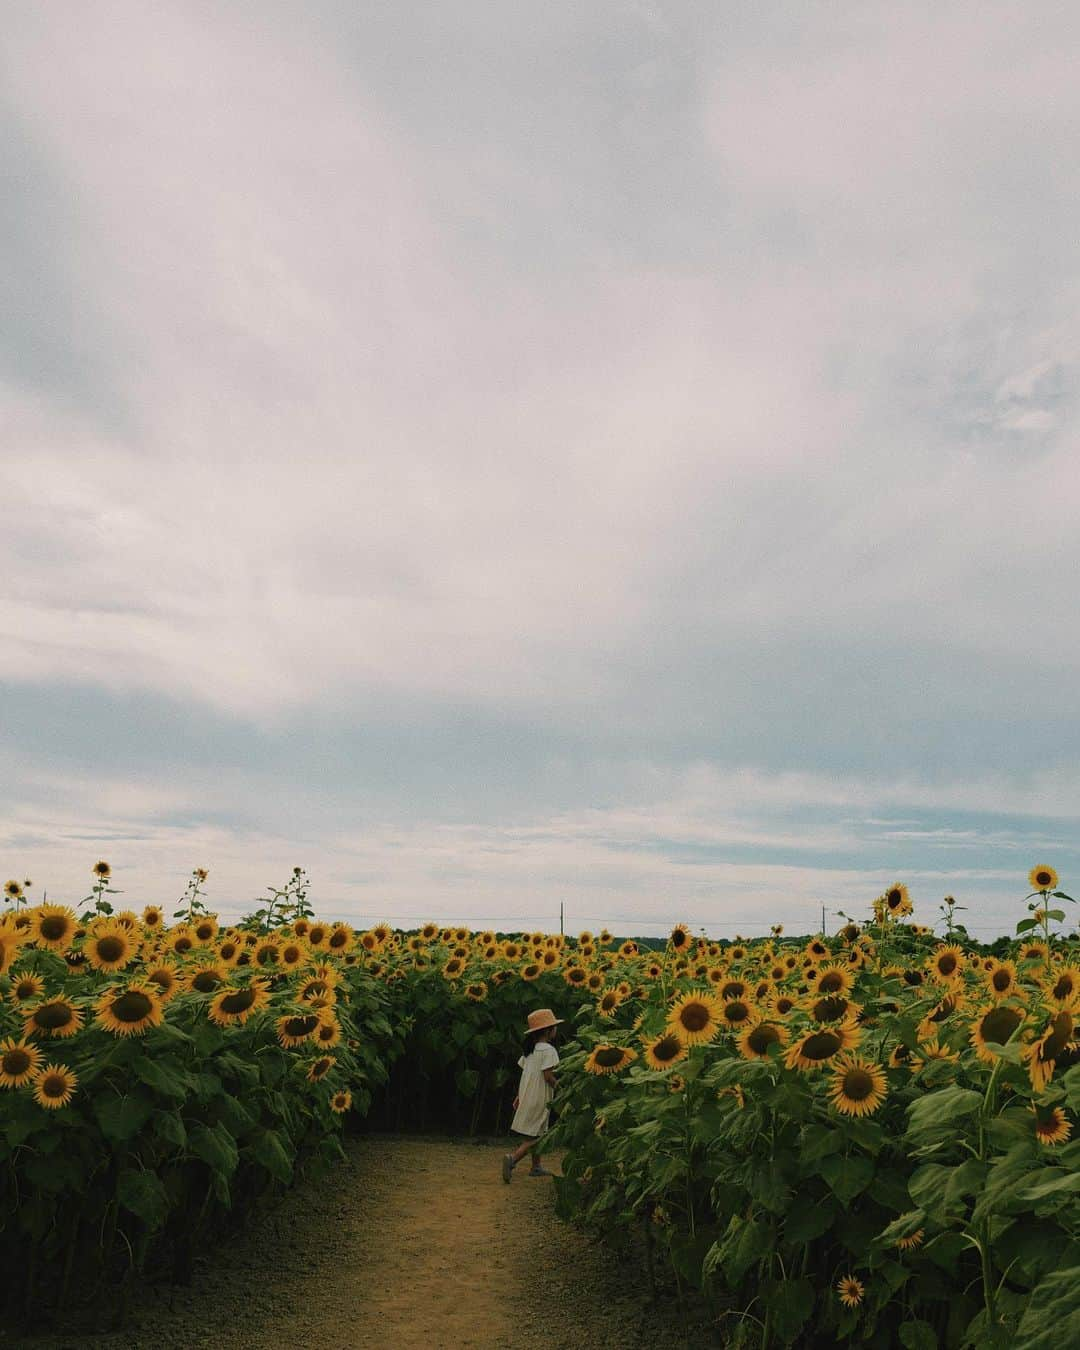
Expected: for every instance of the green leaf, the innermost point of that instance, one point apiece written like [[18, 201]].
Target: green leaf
[[143, 1194], [121, 1118], [935, 1116], [1062, 1183], [1052, 1317], [807, 1220], [269, 1150], [918, 1335], [902, 1227], [790, 1304], [1026, 925], [818, 1142], [215, 1146], [164, 1077], [169, 1127], [467, 1081], [847, 1177]]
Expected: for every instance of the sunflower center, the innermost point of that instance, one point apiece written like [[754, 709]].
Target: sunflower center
[[205, 981], [894, 899], [25, 989], [1001, 979], [1059, 1036], [132, 1006], [183, 944], [913, 977], [54, 927], [301, 1026], [694, 1016], [829, 1009], [857, 1085], [831, 983], [111, 948], [1043, 878], [53, 1085], [1063, 988], [15, 1062], [239, 1001], [762, 1037], [821, 1045], [946, 964], [1000, 1024], [943, 1009], [53, 1016], [736, 1011], [733, 989], [667, 1048], [609, 1055]]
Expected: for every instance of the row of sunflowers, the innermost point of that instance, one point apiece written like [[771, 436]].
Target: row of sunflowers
[[866, 1139], [865, 1136]]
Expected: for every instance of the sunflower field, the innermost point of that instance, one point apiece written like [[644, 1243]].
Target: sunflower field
[[156, 1080], [858, 1138]]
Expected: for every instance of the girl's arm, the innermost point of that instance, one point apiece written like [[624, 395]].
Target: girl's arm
[[549, 1077]]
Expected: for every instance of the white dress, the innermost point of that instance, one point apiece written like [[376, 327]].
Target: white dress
[[534, 1093]]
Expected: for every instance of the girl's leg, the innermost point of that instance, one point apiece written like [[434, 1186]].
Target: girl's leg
[[526, 1147]]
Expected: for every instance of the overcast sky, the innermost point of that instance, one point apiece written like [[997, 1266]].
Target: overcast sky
[[496, 454]]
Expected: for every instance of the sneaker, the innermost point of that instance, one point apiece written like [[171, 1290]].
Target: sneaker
[[507, 1167], [540, 1172]]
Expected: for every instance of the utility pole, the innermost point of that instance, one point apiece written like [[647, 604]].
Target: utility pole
[[561, 907], [823, 921]]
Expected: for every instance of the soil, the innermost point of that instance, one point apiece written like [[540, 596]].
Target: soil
[[408, 1243]]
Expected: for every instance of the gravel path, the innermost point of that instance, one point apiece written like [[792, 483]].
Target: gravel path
[[408, 1243]]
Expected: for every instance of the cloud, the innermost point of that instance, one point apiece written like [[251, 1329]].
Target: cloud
[[677, 407]]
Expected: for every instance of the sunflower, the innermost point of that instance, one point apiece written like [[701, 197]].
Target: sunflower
[[204, 930], [102, 870], [609, 1059], [734, 989], [56, 1017], [268, 953], [929, 1050], [896, 900], [54, 1086], [341, 1101], [53, 927], [1042, 879], [664, 1050], [946, 964], [941, 1012], [781, 1005], [1043, 1054], [454, 968], [382, 931], [833, 980], [604, 938], [153, 917], [608, 1003], [549, 959], [1034, 951], [575, 975], [19, 1063], [994, 1025], [532, 971], [833, 1008], [820, 1047], [1052, 1126], [850, 1291], [816, 950], [232, 1005], [695, 1018], [476, 993], [756, 1041], [204, 979], [166, 979], [26, 987], [180, 940], [317, 935], [109, 948], [737, 1013], [680, 937], [296, 1028], [13, 890], [328, 1033], [319, 1068], [1065, 986], [912, 1241], [1001, 981], [129, 1011], [858, 1086]]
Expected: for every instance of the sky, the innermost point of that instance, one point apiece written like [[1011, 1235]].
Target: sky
[[495, 456]]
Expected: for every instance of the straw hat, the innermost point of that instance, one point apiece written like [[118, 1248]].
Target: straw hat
[[542, 1018]]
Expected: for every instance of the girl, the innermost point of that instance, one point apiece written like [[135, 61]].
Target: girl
[[531, 1105]]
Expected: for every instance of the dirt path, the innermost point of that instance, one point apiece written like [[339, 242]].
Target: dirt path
[[410, 1243]]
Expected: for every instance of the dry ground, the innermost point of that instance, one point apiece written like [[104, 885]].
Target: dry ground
[[410, 1243]]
